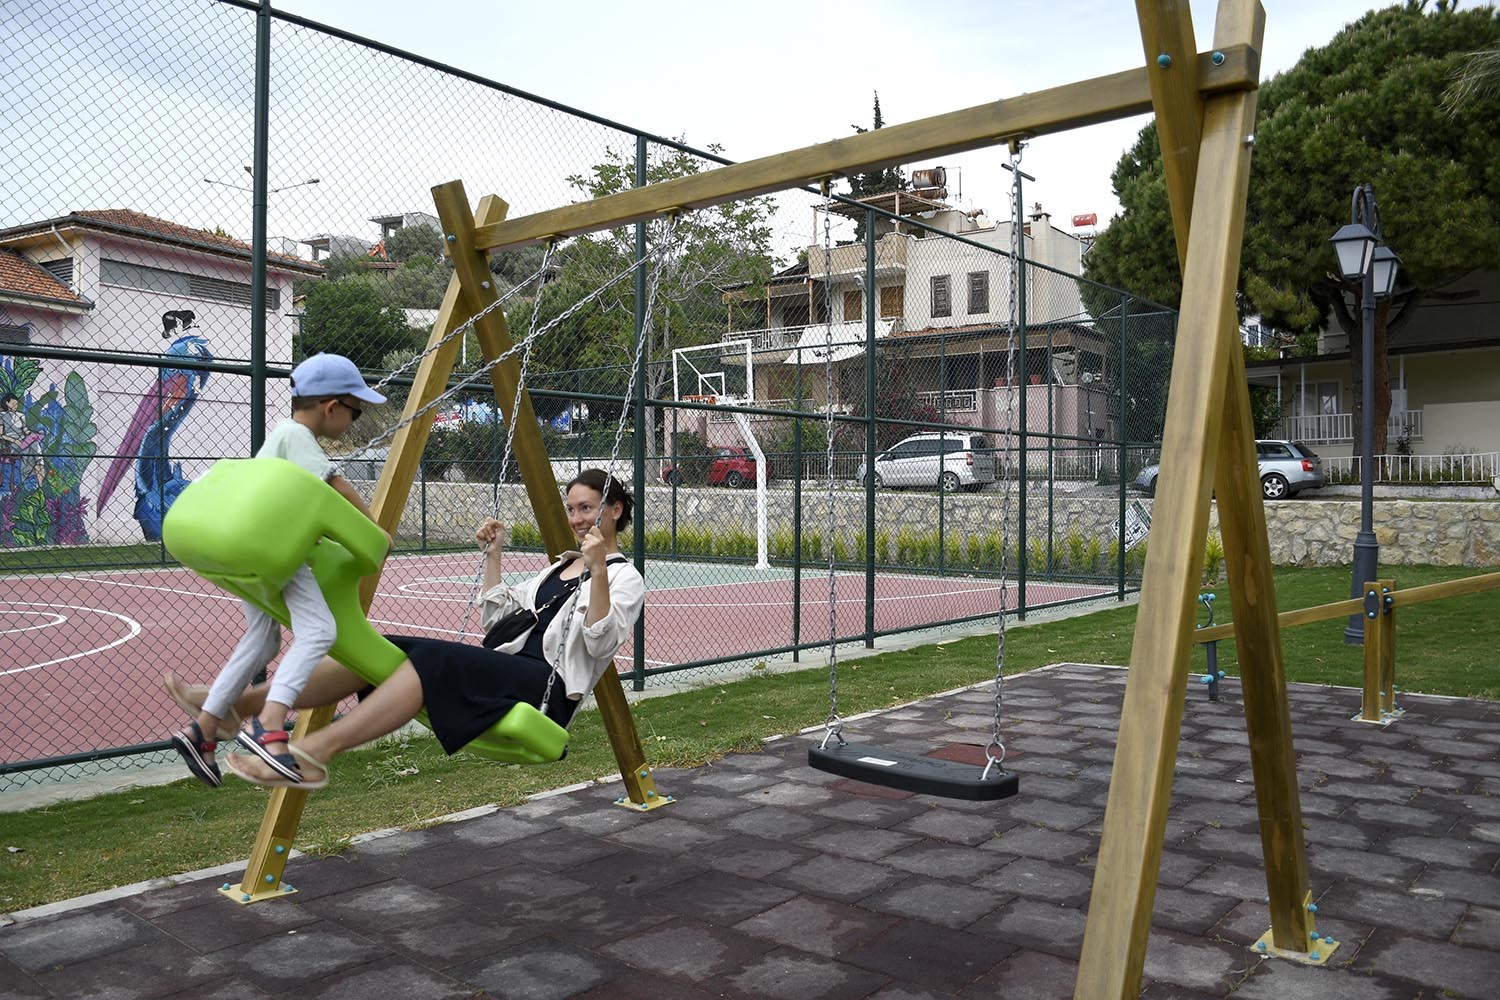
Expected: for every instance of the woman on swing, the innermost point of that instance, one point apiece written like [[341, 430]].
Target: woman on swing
[[465, 688]]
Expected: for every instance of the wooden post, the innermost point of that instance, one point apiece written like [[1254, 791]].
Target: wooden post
[[278, 827], [1206, 151], [471, 270], [1375, 622], [1388, 707]]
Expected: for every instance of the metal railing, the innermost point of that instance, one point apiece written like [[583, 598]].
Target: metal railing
[[1481, 467], [1330, 428]]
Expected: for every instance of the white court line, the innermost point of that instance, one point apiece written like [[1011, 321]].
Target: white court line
[[135, 630], [56, 621], [215, 594]]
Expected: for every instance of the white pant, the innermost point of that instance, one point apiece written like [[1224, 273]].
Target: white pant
[[313, 632]]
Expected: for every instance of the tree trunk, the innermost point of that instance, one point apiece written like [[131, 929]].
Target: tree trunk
[[1381, 422]]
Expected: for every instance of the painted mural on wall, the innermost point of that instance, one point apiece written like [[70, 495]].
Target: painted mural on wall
[[147, 445], [46, 443]]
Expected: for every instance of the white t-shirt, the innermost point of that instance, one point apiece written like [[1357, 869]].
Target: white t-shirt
[[295, 443]]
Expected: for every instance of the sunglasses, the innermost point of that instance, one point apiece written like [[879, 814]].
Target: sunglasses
[[352, 409]]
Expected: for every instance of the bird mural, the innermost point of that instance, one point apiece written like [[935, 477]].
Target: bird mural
[[148, 439]]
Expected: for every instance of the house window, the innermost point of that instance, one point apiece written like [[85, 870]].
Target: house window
[[979, 291], [892, 302], [942, 295], [156, 279], [1318, 408], [62, 270], [854, 305]]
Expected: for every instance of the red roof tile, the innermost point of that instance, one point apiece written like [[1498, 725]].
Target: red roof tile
[[125, 218], [19, 276]]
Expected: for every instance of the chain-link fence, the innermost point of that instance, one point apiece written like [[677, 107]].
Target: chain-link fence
[[897, 398]]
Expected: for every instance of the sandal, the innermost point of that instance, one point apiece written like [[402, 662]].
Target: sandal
[[305, 784], [228, 726], [198, 754], [256, 738]]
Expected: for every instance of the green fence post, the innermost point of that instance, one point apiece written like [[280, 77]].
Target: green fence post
[[942, 443], [869, 428], [797, 517], [258, 226], [638, 680], [1124, 359]]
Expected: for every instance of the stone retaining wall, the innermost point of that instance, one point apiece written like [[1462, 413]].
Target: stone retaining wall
[[1302, 532]]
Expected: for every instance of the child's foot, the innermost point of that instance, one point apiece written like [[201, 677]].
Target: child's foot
[[263, 743], [198, 754], [190, 697], [258, 772]]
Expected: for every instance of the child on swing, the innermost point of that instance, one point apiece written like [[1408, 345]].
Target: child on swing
[[326, 392]]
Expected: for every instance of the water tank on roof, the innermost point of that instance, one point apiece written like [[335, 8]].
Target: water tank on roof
[[1090, 219], [932, 177]]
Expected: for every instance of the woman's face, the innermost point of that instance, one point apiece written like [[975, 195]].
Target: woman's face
[[13, 404], [583, 507]]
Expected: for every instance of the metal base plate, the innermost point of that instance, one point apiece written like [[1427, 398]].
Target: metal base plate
[[239, 895], [1386, 718], [656, 803], [1321, 951]]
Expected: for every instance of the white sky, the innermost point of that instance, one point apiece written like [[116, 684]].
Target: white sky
[[772, 76]]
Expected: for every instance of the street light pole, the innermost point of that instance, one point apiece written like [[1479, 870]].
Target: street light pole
[[1363, 256]]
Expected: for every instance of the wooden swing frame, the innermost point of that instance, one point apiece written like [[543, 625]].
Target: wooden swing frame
[[1204, 105]]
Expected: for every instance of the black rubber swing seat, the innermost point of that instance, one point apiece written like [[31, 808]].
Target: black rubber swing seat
[[913, 772]]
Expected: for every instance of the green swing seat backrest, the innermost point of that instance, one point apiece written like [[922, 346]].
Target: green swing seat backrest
[[248, 524]]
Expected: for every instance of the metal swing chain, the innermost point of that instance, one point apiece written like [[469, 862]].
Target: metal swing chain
[[510, 434], [653, 284], [994, 751], [832, 726]]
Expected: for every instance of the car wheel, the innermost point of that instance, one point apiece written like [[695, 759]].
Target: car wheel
[[673, 477], [1151, 488], [878, 481], [949, 482], [1273, 486], [734, 480]]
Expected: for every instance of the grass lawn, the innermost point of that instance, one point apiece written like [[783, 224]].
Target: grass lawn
[[73, 848]]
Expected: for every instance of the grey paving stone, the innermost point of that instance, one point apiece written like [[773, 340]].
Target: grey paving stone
[[1275, 980], [752, 857], [446, 861], [1054, 928], [17, 985], [440, 943], [1026, 975], [405, 841], [838, 878], [1480, 928], [775, 823], [730, 781], [1231, 879], [643, 985], [791, 795], [719, 897], [786, 974], [931, 957], [1036, 842], [285, 962], [156, 968], [1396, 814], [867, 811], [822, 926], [561, 850], [1189, 912], [325, 876], [1217, 789], [513, 891], [1335, 833], [1220, 843], [936, 902], [504, 826], [705, 808], [1447, 970], [1461, 885], [391, 978], [591, 919], [1336, 766], [1193, 963], [670, 835], [634, 873], [1447, 852], [751, 761], [1362, 866], [949, 861], [1425, 914], [1052, 814], [1040, 880], [699, 953], [1179, 868], [851, 841], [74, 937], [903, 991], [215, 925], [542, 970], [952, 825]]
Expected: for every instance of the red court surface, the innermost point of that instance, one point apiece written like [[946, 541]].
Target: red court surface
[[81, 655]]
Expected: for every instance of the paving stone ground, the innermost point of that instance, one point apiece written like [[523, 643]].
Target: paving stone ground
[[770, 880]]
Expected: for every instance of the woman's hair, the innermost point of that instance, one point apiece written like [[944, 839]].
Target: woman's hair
[[595, 479], [5, 399]]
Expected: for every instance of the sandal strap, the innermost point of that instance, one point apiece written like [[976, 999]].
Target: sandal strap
[[267, 737], [203, 744]]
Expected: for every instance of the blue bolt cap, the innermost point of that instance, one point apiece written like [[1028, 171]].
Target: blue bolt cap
[[1217, 58], [1312, 907], [1163, 60], [1316, 957], [1261, 945]]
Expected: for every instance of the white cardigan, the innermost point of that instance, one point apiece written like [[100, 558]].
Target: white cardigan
[[590, 648]]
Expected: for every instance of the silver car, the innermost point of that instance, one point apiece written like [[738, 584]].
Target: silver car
[[1286, 469], [950, 461]]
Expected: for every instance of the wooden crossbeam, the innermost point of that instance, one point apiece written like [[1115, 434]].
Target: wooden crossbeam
[[1074, 105]]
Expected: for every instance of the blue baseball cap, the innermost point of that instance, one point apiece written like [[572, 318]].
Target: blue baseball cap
[[331, 375]]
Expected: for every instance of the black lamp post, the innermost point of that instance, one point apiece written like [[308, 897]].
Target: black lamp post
[[1364, 257]]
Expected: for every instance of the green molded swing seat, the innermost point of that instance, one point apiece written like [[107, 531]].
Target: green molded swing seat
[[248, 524]]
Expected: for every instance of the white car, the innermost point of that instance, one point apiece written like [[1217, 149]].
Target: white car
[[951, 461]]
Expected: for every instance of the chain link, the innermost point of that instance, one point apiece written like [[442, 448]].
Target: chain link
[[832, 725]]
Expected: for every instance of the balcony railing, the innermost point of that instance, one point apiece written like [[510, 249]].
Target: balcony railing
[[1331, 428], [953, 401], [769, 339]]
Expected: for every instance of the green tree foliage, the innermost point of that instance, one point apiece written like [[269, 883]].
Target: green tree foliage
[[705, 251], [418, 283], [1366, 107], [409, 241], [350, 316], [872, 182]]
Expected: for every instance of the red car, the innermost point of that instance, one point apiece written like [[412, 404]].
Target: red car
[[732, 467]]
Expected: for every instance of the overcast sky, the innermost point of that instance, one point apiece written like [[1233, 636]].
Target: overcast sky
[[776, 75]]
